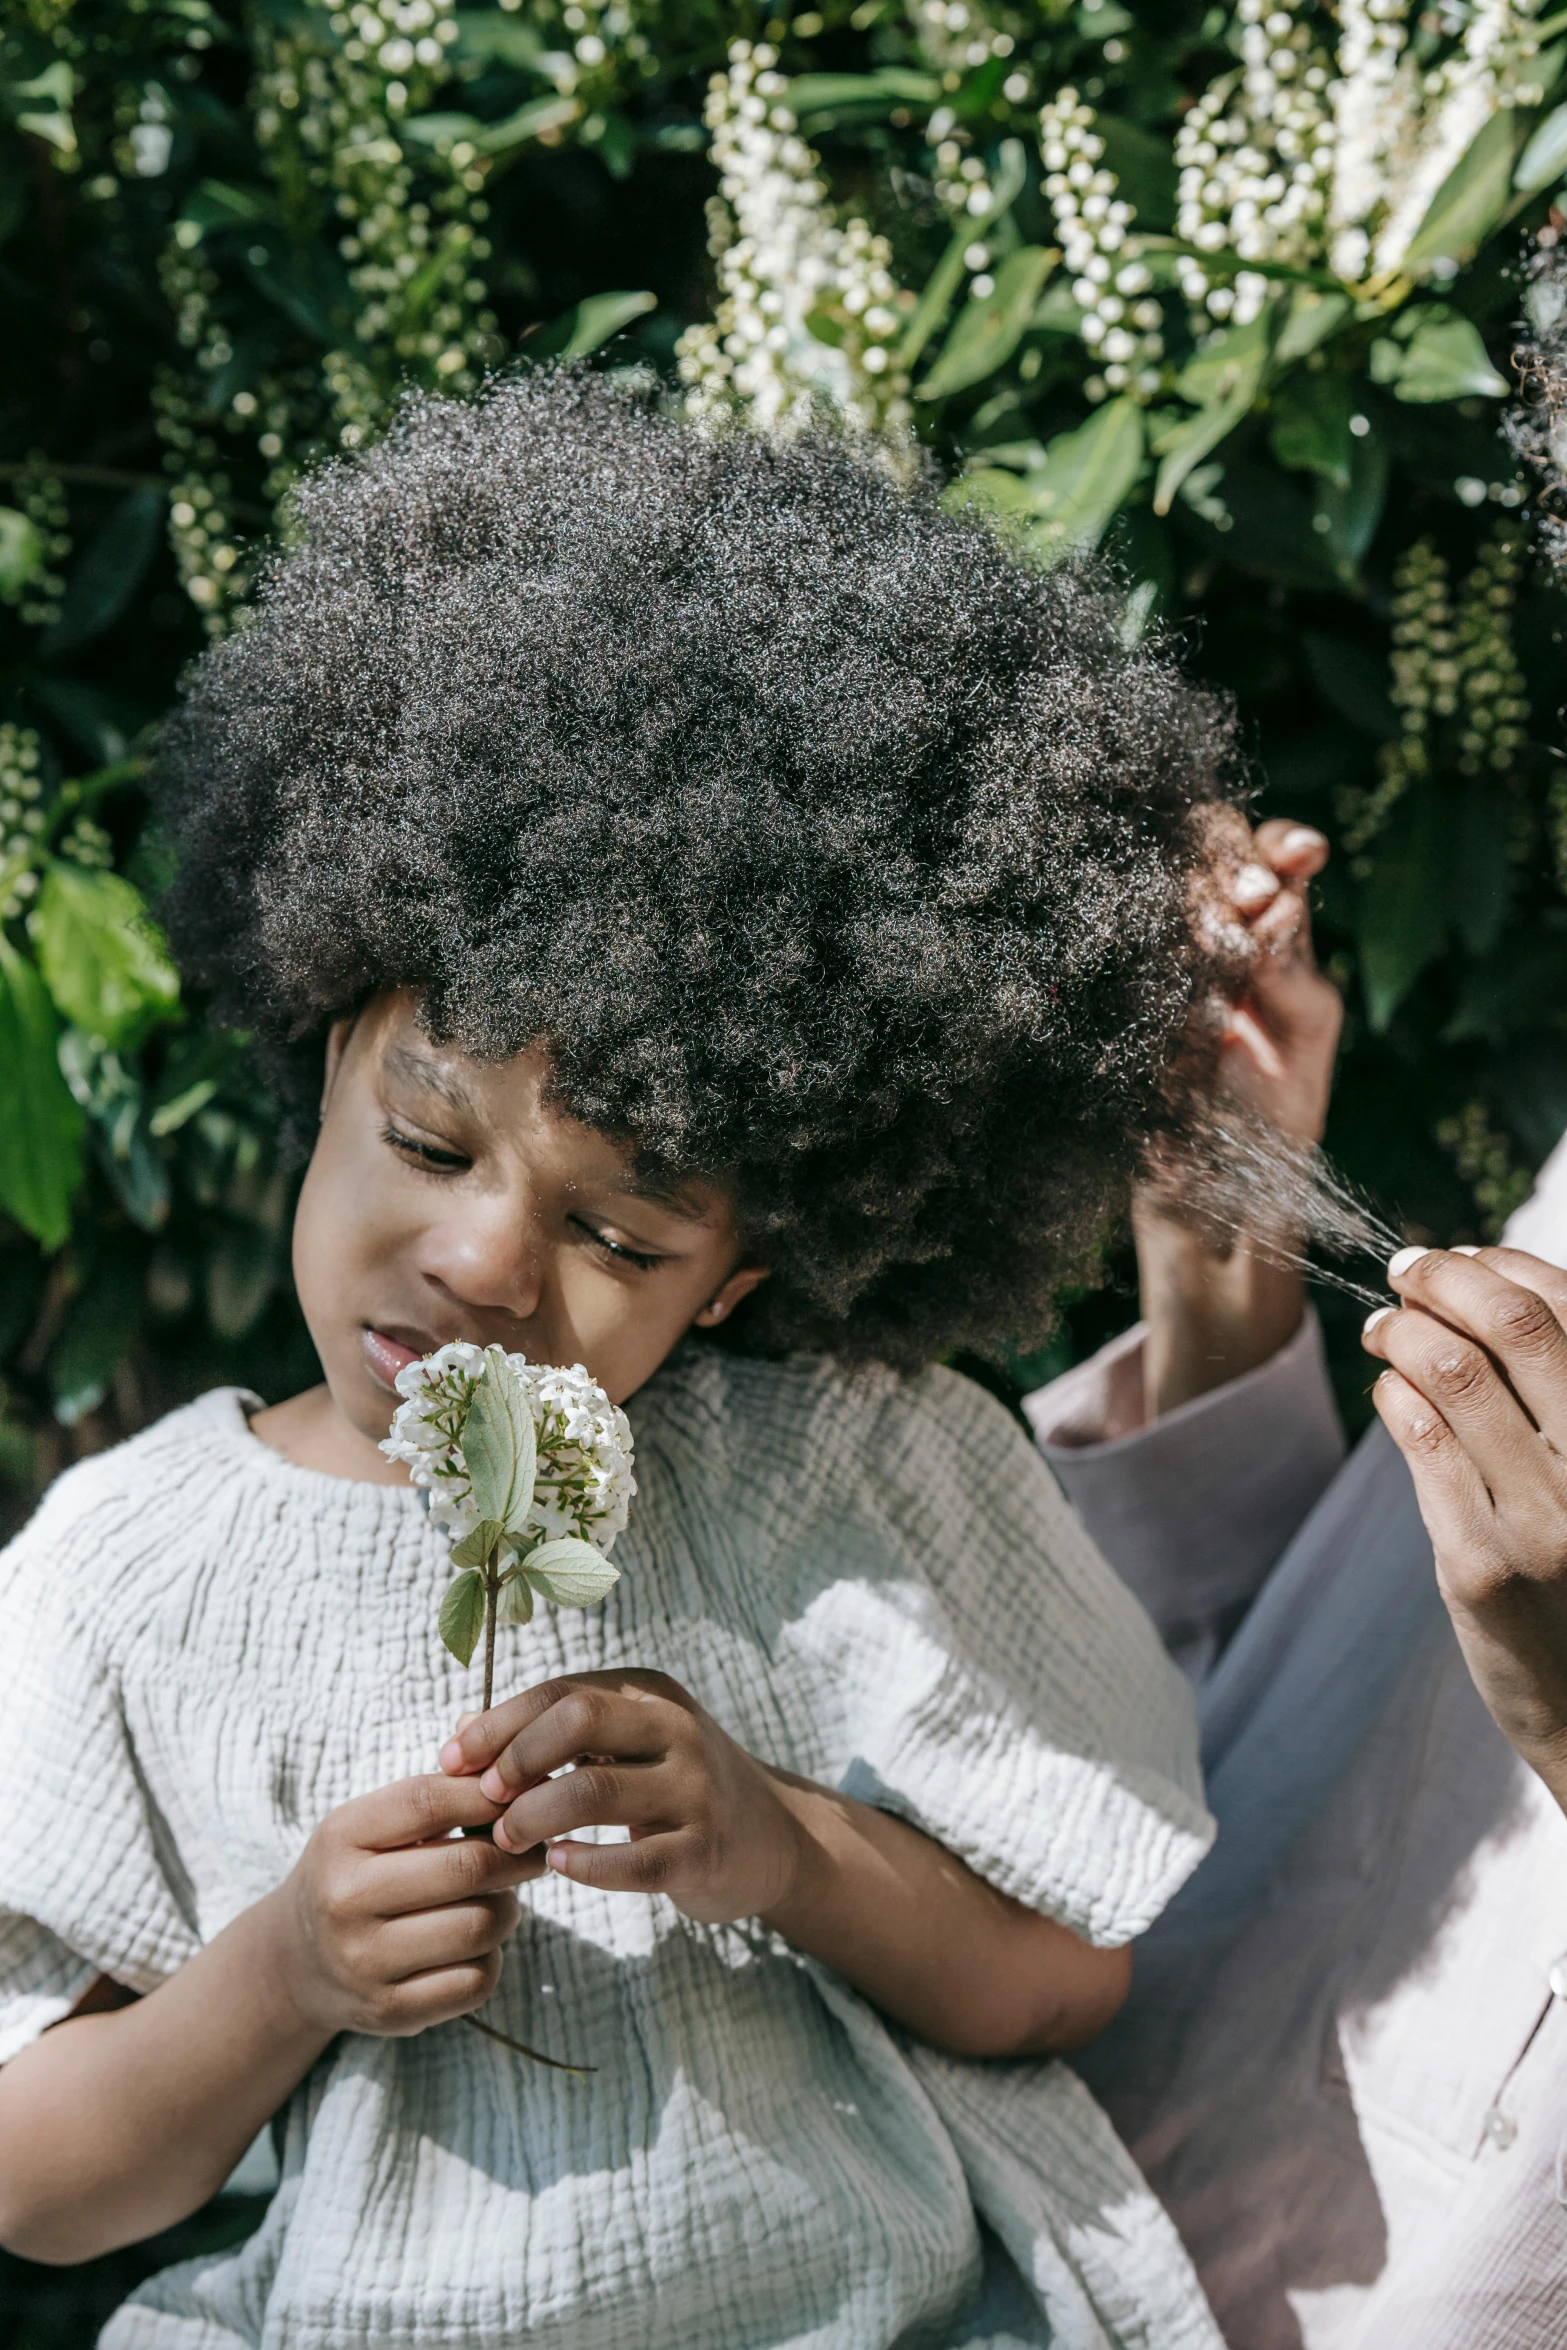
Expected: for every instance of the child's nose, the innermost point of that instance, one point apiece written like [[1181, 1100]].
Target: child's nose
[[493, 1268]]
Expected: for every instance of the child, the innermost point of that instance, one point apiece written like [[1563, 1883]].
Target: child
[[705, 892]]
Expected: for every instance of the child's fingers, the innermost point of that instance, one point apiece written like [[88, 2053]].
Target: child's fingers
[[1295, 850], [414, 1811], [1453, 1499], [604, 1793], [464, 1868], [481, 1739], [454, 1936], [1511, 1327], [649, 1865]]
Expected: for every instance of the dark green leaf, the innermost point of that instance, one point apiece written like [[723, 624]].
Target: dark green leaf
[[1311, 320], [988, 330], [41, 1128], [1403, 909], [499, 1445], [1144, 165], [102, 1323], [1346, 518], [1309, 430], [216, 205], [240, 1275], [108, 574], [1482, 869], [1352, 680], [570, 1572], [104, 725], [509, 40], [103, 961], [1231, 366], [1470, 202], [462, 1615]]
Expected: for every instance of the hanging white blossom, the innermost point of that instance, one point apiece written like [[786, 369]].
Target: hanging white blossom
[[808, 311], [1119, 318]]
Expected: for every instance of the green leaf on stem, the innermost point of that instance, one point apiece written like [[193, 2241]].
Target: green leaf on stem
[[1310, 428], [102, 960], [1544, 157], [41, 1130], [1405, 903], [108, 574], [1440, 356], [987, 331], [499, 1446], [570, 1572], [587, 327], [21, 550], [516, 1601], [462, 1614], [478, 1546], [1066, 503], [1470, 202]]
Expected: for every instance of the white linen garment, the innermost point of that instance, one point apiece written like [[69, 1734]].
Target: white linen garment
[[870, 1581], [1343, 2066]]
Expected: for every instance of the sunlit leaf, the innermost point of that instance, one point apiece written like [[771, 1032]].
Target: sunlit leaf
[[500, 1447], [570, 1572], [1470, 202], [1545, 155], [529, 122], [1067, 502], [1311, 319], [988, 330], [41, 1126], [478, 1547], [1442, 358], [461, 1619], [588, 326], [820, 98], [21, 550], [102, 959]]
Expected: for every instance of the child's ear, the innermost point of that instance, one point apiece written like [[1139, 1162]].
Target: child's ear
[[723, 1301]]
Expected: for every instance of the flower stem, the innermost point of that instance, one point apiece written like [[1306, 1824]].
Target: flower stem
[[555, 2063], [492, 1601]]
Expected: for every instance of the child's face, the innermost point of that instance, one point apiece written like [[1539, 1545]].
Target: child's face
[[447, 1199]]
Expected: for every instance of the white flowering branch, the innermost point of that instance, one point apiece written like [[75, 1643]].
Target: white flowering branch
[[807, 310], [1119, 318]]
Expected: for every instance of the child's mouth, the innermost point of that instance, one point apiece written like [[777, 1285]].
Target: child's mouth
[[384, 1356]]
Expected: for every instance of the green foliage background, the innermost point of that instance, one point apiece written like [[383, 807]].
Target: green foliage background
[[230, 229]]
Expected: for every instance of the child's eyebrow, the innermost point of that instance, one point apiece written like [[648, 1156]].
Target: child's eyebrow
[[414, 1069]]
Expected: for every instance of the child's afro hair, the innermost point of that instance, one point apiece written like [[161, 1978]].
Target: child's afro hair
[[837, 856]]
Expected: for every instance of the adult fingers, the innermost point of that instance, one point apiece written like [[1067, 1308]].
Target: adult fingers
[[1457, 1377], [604, 1793], [1453, 1500], [431, 1876], [414, 1811], [1516, 1325]]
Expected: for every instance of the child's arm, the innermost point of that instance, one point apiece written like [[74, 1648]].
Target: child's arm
[[1212, 1317], [725, 1836], [1476, 1401], [115, 2125]]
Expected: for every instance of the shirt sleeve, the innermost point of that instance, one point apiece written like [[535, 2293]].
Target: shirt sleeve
[[1194, 1508], [1003, 1691], [88, 1883]]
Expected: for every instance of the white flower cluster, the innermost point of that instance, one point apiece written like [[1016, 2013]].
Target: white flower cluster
[[957, 35], [583, 1484], [1255, 158], [808, 311], [1121, 321], [22, 820], [40, 495]]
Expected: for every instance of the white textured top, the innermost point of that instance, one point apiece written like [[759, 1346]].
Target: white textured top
[[870, 1581]]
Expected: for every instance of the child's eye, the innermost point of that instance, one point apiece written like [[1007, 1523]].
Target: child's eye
[[424, 1154], [616, 1249]]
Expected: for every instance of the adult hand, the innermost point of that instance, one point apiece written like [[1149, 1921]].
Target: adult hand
[[709, 1826], [1475, 1398], [389, 1921]]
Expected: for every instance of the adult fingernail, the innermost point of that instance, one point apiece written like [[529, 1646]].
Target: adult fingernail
[[1465, 1248], [1404, 1259], [1254, 885], [451, 1757], [1300, 838], [1378, 1314]]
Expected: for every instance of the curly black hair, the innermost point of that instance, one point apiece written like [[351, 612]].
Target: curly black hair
[[837, 856]]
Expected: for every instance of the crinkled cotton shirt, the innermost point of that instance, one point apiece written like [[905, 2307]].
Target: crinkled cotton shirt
[[867, 1580]]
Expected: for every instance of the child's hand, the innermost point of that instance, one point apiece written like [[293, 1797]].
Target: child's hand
[[388, 1921], [1476, 1401], [709, 1824]]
